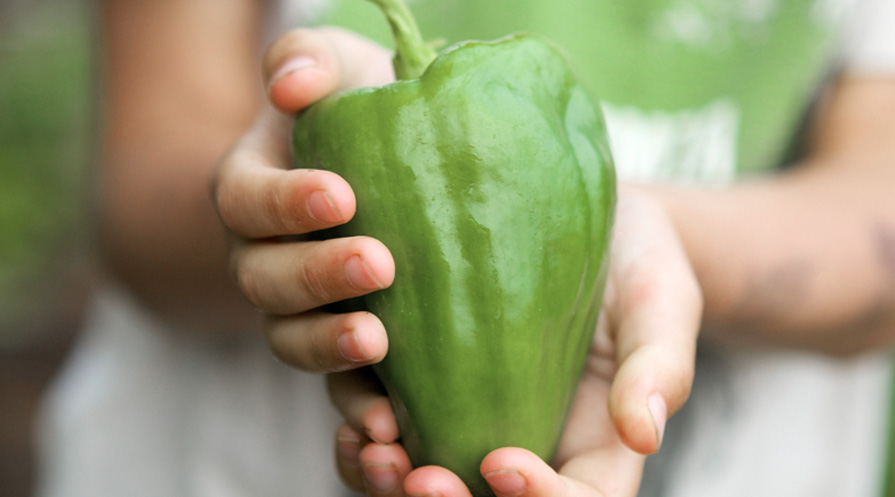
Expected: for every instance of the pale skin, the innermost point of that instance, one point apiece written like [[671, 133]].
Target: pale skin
[[831, 220]]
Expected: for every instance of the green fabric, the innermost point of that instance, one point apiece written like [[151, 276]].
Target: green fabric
[[661, 55]]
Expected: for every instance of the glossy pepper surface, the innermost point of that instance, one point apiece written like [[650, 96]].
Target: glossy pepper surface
[[487, 173]]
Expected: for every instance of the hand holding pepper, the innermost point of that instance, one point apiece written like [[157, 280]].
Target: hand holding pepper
[[639, 369], [265, 206], [639, 372]]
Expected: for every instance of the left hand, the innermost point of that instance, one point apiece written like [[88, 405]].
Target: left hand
[[639, 371]]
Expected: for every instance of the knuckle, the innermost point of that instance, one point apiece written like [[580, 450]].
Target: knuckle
[[289, 344], [641, 292], [222, 195], [275, 343], [273, 206], [247, 282], [322, 349], [285, 206], [315, 283], [234, 191]]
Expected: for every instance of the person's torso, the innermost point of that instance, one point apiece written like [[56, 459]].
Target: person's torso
[[695, 91]]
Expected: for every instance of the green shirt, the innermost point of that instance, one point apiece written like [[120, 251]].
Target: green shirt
[[693, 90]]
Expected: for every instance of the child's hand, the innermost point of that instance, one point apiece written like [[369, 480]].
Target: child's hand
[[266, 206], [639, 372]]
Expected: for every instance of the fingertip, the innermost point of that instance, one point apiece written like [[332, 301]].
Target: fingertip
[[291, 65], [296, 90], [385, 466], [508, 482], [379, 422], [658, 410], [434, 481], [304, 65], [634, 426], [509, 457], [369, 336], [322, 198], [639, 416], [361, 275], [514, 471], [377, 453], [372, 267], [651, 384], [323, 208], [382, 264], [299, 69], [342, 196]]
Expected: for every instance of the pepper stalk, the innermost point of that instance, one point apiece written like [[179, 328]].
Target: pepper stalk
[[412, 54]]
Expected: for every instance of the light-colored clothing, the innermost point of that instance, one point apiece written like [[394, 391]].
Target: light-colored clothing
[[715, 92], [142, 411]]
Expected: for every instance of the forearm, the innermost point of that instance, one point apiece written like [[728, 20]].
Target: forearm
[[162, 239], [805, 258], [179, 87], [796, 260]]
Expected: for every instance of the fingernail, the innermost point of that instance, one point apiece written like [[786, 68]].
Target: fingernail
[[322, 208], [361, 276], [290, 66], [659, 412], [380, 477], [507, 482], [350, 347]]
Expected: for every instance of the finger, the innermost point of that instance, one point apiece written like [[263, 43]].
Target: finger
[[293, 277], [322, 342], [258, 197], [512, 471], [657, 314], [305, 65], [434, 481], [362, 402], [384, 468], [348, 446]]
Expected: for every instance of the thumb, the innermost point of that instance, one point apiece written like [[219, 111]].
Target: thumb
[[656, 314], [650, 385], [304, 65]]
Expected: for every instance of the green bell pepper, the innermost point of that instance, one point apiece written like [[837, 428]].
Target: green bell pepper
[[486, 171]]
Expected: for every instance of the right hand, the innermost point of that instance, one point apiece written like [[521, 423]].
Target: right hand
[[266, 206]]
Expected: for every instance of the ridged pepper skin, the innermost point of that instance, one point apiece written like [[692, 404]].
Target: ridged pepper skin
[[490, 180]]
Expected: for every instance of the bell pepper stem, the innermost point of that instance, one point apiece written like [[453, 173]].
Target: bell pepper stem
[[412, 54]]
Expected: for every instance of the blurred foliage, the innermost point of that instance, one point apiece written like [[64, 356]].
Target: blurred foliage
[[45, 135]]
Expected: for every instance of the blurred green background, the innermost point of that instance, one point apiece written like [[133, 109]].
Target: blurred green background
[[45, 148], [46, 136]]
